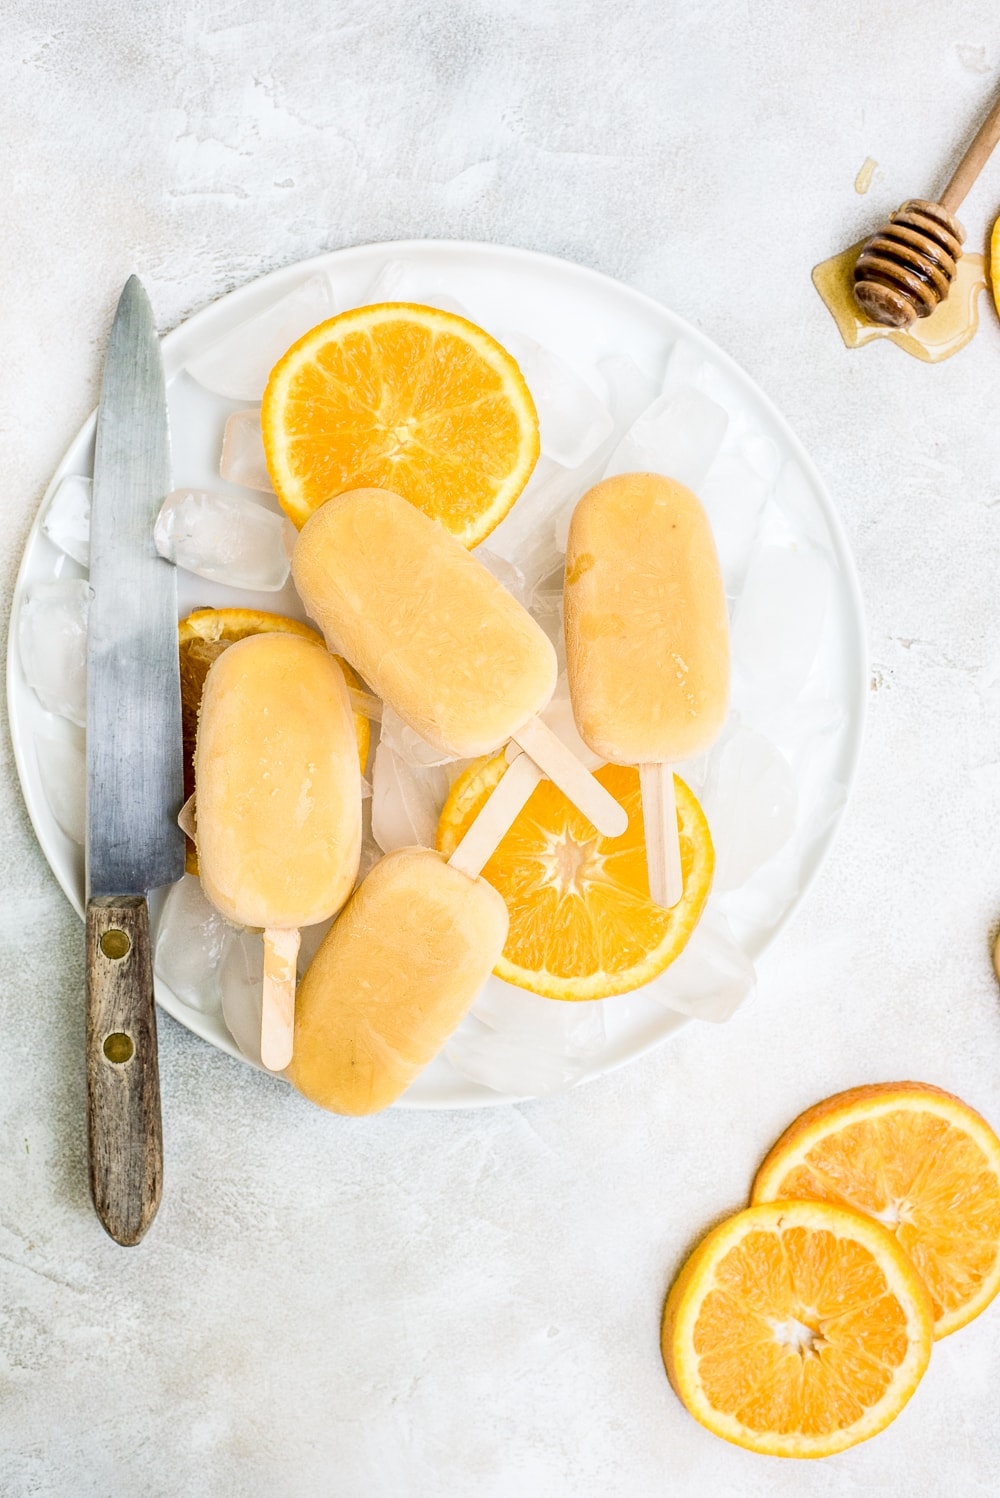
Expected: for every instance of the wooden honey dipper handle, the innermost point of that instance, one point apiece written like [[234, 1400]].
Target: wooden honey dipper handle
[[973, 161]]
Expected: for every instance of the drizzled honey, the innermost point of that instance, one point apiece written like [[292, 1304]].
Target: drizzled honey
[[949, 328]]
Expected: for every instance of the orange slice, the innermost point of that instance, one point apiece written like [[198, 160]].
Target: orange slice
[[201, 639], [582, 925], [920, 1161], [796, 1329], [406, 398]]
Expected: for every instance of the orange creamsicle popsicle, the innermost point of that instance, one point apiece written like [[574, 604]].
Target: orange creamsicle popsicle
[[392, 980], [277, 784], [647, 643], [432, 631], [647, 635]]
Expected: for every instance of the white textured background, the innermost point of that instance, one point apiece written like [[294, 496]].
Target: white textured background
[[468, 1304]]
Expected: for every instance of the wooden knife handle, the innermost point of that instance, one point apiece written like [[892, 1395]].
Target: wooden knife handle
[[123, 1077]]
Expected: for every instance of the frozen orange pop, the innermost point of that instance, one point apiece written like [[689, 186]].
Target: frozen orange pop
[[436, 636], [278, 803], [647, 643], [394, 977]]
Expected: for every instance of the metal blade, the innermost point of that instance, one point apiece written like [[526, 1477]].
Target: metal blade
[[134, 754]]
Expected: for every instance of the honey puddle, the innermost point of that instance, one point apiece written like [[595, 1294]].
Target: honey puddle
[[948, 329], [863, 180]]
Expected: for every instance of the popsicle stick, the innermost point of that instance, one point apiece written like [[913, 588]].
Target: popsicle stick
[[187, 819], [573, 779], [366, 703], [496, 816], [663, 848], [277, 1019]]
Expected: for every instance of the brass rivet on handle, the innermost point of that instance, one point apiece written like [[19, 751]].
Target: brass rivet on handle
[[118, 1047], [115, 944]]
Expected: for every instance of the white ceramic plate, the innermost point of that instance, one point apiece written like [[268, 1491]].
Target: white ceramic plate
[[582, 316]]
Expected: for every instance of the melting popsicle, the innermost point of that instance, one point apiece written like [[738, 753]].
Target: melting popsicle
[[278, 793], [436, 636], [647, 643]]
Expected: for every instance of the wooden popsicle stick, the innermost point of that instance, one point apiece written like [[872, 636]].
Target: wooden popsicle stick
[[187, 819], [973, 161], [575, 781], [277, 1019], [365, 703], [496, 816], [663, 848]]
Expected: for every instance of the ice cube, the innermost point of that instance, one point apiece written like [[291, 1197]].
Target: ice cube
[[734, 493], [546, 609], [751, 802], [685, 367], [527, 536], [760, 904], [678, 436], [574, 1030], [371, 853], [795, 498], [711, 978], [190, 942], [311, 938], [398, 281], [243, 461], [224, 537], [507, 1065], [533, 534], [778, 623], [407, 745], [804, 729], [573, 421], [62, 765], [241, 982], [67, 519], [406, 801], [52, 637], [237, 364], [505, 572]]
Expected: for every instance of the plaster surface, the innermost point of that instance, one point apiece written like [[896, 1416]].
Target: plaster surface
[[469, 1304]]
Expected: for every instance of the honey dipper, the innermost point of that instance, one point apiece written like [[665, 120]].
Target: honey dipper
[[905, 270]]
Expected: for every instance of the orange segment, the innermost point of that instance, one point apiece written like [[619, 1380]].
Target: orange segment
[[582, 925], [796, 1329], [201, 639], [406, 398], [920, 1161]]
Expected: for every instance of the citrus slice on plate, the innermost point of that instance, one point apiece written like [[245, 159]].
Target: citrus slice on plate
[[994, 264], [919, 1160], [201, 639], [582, 925], [407, 398], [796, 1329]]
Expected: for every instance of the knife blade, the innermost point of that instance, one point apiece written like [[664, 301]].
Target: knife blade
[[134, 769]]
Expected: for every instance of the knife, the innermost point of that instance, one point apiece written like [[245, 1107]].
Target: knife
[[134, 770]]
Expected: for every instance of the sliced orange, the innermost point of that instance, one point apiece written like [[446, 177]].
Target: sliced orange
[[796, 1329], [407, 398], [920, 1161], [582, 925], [201, 639]]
